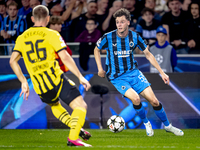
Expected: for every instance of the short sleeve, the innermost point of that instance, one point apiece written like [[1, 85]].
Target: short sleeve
[[141, 43], [18, 45], [57, 41], [102, 43]]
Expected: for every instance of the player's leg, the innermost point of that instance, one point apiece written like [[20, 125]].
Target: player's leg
[[72, 97], [123, 86], [51, 98], [62, 114], [149, 95], [134, 97]]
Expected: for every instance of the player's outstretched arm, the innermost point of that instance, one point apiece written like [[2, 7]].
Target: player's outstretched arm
[[97, 56], [153, 61], [71, 65], [17, 70]]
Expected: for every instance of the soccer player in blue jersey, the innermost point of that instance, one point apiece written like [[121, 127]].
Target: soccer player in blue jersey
[[122, 71]]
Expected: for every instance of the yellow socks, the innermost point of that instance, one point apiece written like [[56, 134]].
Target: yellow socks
[[61, 114], [77, 121]]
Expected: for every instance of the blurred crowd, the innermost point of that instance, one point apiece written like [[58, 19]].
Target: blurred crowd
[[85, 21]]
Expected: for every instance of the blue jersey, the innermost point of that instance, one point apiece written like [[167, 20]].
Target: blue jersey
[[14, 28], [120, 57]]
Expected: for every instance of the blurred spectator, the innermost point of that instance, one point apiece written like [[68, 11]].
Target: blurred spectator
[[33, 3], [87, 39], [185, 4], [71, 11], [2, 50], [25, 9], [192, 29], [173, 21], [56, 9], [151, 4], [102, 7], [148, 25], [161, 7], [47, 3], [102, 13], [163, 52], [13, 26], [8, 2], [78, 24], [109, 23], [55, 23], [135, 13], [3, 13]]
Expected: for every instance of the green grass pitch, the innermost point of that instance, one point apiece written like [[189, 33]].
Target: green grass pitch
[[55, 139]]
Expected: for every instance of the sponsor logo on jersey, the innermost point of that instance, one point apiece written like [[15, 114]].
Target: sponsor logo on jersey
[[123, 53]]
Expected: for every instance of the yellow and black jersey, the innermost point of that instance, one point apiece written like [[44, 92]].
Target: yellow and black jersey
[[38, 45]]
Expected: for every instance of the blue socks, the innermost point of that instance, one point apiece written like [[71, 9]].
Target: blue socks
[[141, 112], [160, 112]]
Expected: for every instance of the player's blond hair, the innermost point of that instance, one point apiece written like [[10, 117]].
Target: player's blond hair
[[40, 12]]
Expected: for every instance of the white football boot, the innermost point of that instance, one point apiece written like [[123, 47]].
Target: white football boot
[[149, 129], [174, 130]]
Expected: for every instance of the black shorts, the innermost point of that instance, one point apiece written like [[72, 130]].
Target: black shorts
[[67, 94]]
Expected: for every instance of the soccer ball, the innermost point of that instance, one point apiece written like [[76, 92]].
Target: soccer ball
[[116, 124]]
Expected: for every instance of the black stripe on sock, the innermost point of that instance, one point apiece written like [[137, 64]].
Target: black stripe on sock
[[158, 107], [61, 115], [67, 121], [137, 106]]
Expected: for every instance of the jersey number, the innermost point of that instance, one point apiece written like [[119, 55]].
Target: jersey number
[[40, 57]]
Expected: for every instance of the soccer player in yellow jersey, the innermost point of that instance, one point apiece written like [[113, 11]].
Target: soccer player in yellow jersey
[[38, 45]]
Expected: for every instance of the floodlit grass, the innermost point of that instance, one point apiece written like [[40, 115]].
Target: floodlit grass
[[101, 139]]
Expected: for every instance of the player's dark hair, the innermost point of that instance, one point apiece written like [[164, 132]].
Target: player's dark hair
[[40, 12], [122, 12], [147, 10]]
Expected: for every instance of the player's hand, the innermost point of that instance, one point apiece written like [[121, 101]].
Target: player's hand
[[85, 83], [101, 73], [165, 78], [25, 90]]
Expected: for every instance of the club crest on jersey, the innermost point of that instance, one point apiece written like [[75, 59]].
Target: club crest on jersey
[[123, 87], [131, 44]]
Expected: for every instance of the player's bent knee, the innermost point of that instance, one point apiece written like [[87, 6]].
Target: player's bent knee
[[155, 103], [78, 102], [136, 100]]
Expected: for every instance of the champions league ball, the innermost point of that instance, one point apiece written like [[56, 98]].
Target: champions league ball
[[116, 124]]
